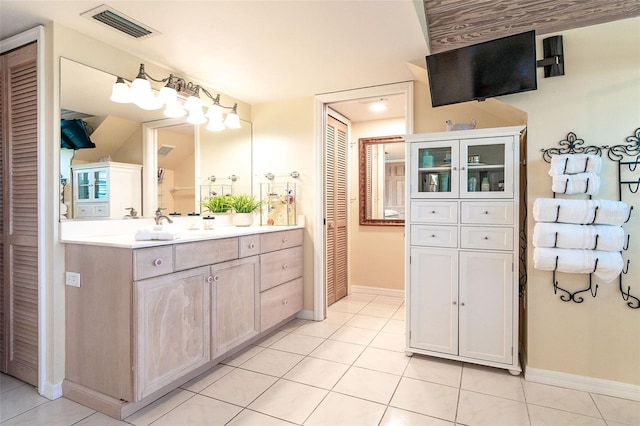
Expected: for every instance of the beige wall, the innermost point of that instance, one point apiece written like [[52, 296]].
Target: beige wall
[[599, 100], [376, 253]]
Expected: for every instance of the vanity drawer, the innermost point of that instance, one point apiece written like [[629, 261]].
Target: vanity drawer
[[494, 238], [279, 240], [280, 266], [280, 303], [434, 236], [434, 212], [487, 212], [201, 253], [152, 262], [249, 245], [92, 210]]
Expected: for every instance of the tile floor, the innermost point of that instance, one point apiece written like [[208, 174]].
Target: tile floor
[[347, 370]]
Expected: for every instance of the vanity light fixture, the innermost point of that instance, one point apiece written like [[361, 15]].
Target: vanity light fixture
[[141, 94]]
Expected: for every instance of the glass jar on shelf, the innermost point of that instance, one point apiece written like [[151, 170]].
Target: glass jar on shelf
[[278, 204]]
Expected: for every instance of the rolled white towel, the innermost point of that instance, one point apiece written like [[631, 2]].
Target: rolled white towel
[[567, 164], [580, 183], [609, 264], [590, 237], [581, 212]]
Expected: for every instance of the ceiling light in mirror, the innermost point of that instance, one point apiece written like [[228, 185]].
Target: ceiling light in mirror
[[379, 105]]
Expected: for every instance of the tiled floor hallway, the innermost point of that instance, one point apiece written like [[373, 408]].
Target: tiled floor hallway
[[347, 370]]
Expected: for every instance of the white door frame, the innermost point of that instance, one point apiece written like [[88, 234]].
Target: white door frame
[[320, 111]]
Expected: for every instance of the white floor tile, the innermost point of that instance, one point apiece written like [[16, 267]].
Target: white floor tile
[[561, 398], [347, 306], [202, 381], [368, 384], [618, 410], [492, 381], [335, 350], [290, 401], [344, 410], [59, 412], [430, 369], [367, 321], [297, 343], [426, 398], [397, 417], [321, 329], [271, 339], [395, 326], [99, 419], [388, 301], [272, 362], [484, 410], [199, 410], [240, 387], [292, 325], [336, 317], [253, 418], [400, 314], [243, 356], [378, 311], [317, 372], [543, 416], [18, 400], [8, 382], [383, 360], [159, 408], [359, 336], [360, 297], [390, 341]]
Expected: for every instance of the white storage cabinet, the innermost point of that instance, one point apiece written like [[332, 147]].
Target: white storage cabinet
[[462, 245]]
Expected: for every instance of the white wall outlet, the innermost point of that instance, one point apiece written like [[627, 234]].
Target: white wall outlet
[[72, 279]]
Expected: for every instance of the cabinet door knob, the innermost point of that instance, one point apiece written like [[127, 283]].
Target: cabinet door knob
[[251, 245], [216, 277], [462, 304], [486, 238], [284, 266], [433, 212], [285, 302], [433, 235], [209, 279], [486, 212], [462, 168], [455, 303], [157, 262], [284, 240], [455, 168]]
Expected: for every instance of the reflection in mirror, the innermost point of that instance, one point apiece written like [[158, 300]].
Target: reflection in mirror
[[382, 181], [117, 131]]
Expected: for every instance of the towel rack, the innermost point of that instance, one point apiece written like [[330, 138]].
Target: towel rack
[[620, 154]]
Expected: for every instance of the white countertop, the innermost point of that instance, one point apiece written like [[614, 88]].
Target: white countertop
[[124, 237]]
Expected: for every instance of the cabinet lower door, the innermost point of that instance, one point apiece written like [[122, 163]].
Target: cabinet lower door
[[486, 306], [434, 295], [171, 328], [235, 302]]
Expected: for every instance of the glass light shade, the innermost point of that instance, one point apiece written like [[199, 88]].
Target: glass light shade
[[175, 110], [378, 106], [120, 92], [214, 113], [232, 121], [167, 95], [215, 125], [140, 90], [149, 102], [196, 116], [193, 103]]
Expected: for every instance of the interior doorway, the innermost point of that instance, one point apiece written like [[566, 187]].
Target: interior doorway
[[335, 101]]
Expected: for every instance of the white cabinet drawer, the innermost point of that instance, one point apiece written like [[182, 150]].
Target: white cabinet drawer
[[202, 253], [434, 212], [249, 245], [279, 240], [152, 262], [280, 303], [434, 236], [493, 238], [487, 212], [280, 266]]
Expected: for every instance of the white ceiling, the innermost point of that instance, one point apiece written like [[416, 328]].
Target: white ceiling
[[256, 51]]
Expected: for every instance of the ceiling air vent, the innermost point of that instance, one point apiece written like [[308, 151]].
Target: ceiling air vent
[[165, 150], [119, 21]]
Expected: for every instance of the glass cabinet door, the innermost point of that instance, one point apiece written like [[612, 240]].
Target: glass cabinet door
[[486, 168], [83, 185], [434, 172], [100, 184]]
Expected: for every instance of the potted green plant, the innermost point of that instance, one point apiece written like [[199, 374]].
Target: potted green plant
[[219, 206], [243, 206]]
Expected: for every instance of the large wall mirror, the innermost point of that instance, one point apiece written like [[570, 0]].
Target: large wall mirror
[[183, 163], [382, 181]]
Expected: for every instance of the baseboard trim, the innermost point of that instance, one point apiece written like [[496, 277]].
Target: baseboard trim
[[376, 290], [51, 390], [305, 314], [583, 383]]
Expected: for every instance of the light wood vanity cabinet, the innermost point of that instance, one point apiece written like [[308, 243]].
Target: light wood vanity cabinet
[[146, 320]]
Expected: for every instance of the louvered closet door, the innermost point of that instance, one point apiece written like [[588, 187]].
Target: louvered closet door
[[336, 210], [19, 173]]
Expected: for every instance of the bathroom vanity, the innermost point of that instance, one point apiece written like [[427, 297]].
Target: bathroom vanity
[[151, 315]]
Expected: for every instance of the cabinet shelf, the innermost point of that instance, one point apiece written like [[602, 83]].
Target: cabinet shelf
[[486, 166]]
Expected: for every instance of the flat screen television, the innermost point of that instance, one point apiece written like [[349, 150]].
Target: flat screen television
[[493, 68]]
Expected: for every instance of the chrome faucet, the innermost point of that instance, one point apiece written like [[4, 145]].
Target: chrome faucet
[[160, 216]]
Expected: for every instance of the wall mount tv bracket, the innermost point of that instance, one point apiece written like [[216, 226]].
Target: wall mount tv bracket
[[553, 61]]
